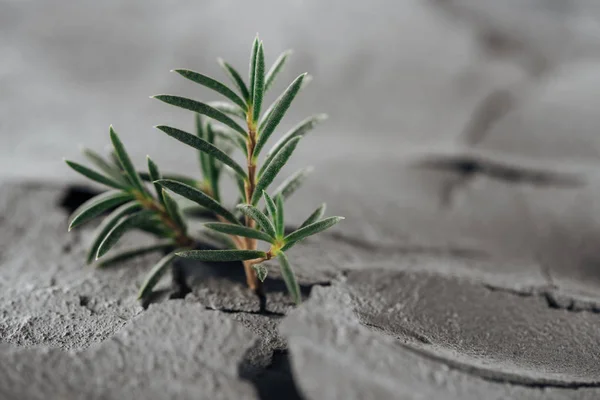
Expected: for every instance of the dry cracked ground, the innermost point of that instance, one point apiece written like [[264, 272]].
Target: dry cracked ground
[[468, 269]]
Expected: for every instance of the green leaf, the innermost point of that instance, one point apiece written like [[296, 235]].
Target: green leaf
[[238, 230], [222, 255], [271, 207], [173, 177], [173, 209], [97, 205], [214, 165], [261, 271], [125, 161], [277, 114], [220, 238], [212, 84], [203, 109], [107, 224], [154, 175], [235, 78], [198, 197], [253, 57], [310, 230], [101, 163], [293, 183], [231, 137], [280, 222], [95, 176], [289, 278], [204, 146], [129, 254], [228, 108], [273, 169], [299, 130], [259, 83], [155, 274], [315, 216], [261, 219], [238, 181], [276, 68], [129, 222]]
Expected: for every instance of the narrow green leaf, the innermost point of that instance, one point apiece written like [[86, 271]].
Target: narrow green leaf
[[293, 182], [214, 165], [228, 108], [97, 205], [154, 175], [203, 109], [204, 146], [235, 78], [278, 112], [173, 177], [261, 219], [222, 255], [238, 181], [274, 167], [198, 197], [289, 278], [253, 57], [310, 230], [231, 137], [238, 230], [280, 222], [107, 224], [125, 161], [173, 209], [276, 68], [299, 130], [129, 254], [271, 207], [261, 271], [95, 176], [259, 83], [220, 238], [155, 274], [315, 216], [212, 84], [101, 163], [129, 222], [156, 227]]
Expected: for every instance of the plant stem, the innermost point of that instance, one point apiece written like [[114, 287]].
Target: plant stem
[[181, 236]]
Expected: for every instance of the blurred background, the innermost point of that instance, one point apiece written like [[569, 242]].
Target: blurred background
[[516, 76]]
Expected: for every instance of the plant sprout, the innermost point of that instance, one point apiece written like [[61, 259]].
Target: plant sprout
[[144, 201]]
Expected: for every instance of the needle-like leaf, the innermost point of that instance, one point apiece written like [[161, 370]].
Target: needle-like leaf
[[155, 274], [154, 175], [292, 183], [276, 68], [129, 254], [212, 84], [198, 197], [271, 207], [101, 163], [289, 278], [310, 230], [173, 209], [107, 224], [299, 130], [280, 221], [222, 255], [235, 78], [204, 146], [252, 74], [261, 219], [125, 161], [315, 216], [232, 137], [201, 108], [277, 114], [173, 177], [95, 176], [97, 205], [129, 222], [271, 172], [259, 83], [238, 230], [228, 108]]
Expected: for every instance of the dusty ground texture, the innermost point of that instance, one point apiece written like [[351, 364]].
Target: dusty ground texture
[[462, 147]]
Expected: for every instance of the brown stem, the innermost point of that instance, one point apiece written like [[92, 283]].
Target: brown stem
[[181, 237]]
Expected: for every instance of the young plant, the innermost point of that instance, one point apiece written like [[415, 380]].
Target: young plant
[[222, 127]]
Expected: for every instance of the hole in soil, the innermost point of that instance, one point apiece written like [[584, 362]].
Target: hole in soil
[[74, 196], [273, 382]]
